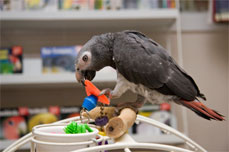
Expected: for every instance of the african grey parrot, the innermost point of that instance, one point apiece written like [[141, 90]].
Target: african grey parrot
[[144, 67]]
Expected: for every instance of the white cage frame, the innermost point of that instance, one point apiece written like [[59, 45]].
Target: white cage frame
[[126, 142]]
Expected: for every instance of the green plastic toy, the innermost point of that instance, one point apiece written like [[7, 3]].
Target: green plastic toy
[[74, 128]]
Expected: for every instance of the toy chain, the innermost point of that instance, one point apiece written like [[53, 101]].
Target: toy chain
[[101, 114], [88, 115], [102, 120], [101, 110]]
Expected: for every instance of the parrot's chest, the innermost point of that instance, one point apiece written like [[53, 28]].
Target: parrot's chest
[[151, 95]]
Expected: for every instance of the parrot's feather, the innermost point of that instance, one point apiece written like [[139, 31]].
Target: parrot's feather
[[203, 111], [142, 61]]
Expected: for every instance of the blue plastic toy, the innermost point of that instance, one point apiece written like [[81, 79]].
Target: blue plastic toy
[[90, 102]]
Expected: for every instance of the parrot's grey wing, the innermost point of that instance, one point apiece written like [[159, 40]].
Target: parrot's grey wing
[[142, 61], [193, 86], [138, 63]]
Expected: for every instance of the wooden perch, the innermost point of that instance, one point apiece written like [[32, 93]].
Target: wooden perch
[[94, 113], [117, 126]]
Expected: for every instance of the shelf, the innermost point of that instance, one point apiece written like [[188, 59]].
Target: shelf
[[105, 75], [199, 21], [162, 139], [88, 19], [6, 143], [90, 15], [32, 75]]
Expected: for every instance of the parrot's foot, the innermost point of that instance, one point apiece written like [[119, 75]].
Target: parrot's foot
[[107, 92], [132, 105]]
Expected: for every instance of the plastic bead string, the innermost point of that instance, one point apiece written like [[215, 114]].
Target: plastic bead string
[[102, 120], [88, 115]]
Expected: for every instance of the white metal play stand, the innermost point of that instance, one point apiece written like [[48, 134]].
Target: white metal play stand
[[125, 142]]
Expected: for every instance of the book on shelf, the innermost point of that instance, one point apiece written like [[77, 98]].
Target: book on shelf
[[194, 5], [11, 60], [73, 4], [116, 4], [59, 59], [220, 11]]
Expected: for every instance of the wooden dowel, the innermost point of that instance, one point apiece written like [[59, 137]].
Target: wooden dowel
[[94, 113], [117, 126]]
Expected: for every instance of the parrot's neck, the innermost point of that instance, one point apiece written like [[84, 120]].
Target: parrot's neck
[[110, 41], [106, 59]]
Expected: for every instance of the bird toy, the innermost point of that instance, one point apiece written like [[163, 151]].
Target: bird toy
[[74, 128], [90, 102]]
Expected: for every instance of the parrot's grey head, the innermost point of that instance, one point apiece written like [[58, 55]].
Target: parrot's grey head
[[93, 56]]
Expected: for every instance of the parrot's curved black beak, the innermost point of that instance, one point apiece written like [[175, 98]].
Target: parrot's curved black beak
[[89, 74], [82, 82], [81, 75]]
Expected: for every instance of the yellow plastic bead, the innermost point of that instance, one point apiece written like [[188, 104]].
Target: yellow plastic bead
[[102, 133]]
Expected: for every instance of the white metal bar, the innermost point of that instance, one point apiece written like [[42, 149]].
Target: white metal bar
[[180, 61], [155, 123], [127, 150], [168, 44], [179, 38], [66, 144], [18, 143], [32, 148], [171, 130], [134, 146]]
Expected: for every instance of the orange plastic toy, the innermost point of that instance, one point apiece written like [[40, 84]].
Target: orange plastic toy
[[91, 89]]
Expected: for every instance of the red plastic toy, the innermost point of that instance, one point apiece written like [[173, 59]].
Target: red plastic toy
[[91, 89]]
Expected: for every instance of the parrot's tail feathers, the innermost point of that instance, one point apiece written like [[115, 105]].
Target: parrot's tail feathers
[[202, 96], [203, 111]]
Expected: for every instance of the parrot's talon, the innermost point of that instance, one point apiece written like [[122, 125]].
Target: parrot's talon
[[83, 83], [107, 92]]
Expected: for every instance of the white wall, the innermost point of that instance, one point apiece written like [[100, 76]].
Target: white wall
[[206, 59]]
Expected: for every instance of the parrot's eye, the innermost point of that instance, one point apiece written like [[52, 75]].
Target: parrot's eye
[[11, 123], [85, 58]]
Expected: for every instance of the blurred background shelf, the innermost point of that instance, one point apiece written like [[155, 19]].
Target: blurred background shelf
[[32, 74], [88, 19], [25, 21], [90, 15], [36, 29], [105, 75]]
